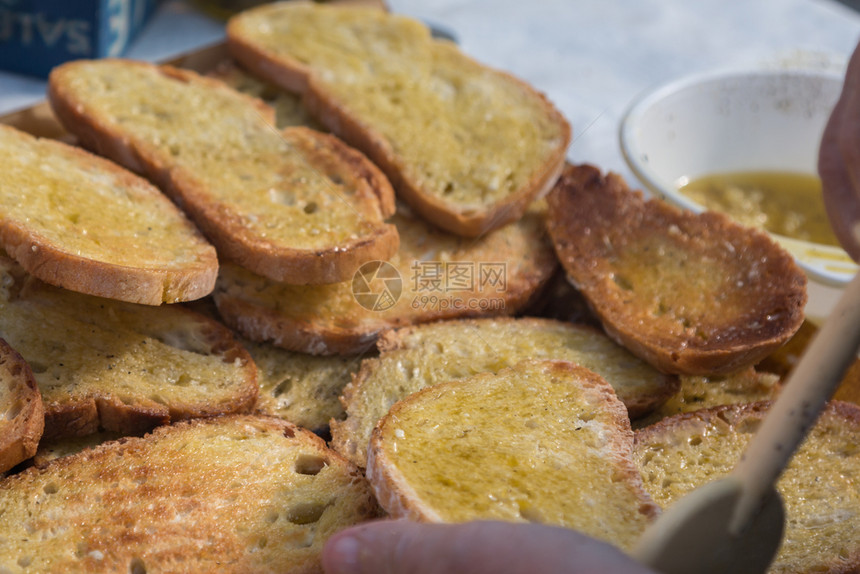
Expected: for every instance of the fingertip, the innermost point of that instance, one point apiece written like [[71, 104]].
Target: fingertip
[[341, 554]]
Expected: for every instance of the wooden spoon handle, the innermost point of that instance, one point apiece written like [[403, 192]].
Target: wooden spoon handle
[[801, 400]]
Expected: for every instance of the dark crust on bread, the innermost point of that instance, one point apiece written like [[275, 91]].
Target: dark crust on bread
[[594, 218], [223, 227], [59, 265], [397, 497], [294, 76], [19, 437]]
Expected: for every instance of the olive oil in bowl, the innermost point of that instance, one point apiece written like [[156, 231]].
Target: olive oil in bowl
[[784, 203]]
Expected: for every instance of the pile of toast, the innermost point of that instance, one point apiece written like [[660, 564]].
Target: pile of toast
[[348, 273]]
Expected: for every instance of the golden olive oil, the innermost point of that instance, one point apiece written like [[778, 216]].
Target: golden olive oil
[[785, 203]]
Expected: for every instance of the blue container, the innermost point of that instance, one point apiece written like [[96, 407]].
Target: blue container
[[36, 35]]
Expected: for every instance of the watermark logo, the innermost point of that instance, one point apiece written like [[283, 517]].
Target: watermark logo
[[433, 286], [377, 285]]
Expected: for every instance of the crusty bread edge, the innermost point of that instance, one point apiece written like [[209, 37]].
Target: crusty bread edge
[[22, 440]]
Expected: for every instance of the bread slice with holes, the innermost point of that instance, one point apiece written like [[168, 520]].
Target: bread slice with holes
[[435, 275], [542, 441], [818, 488], [748, 385], [416, 357], [691, 293], [81, 222], [102, 364], [300, 388], [236, 493], [294, 205], [22, 416], [489, 143]]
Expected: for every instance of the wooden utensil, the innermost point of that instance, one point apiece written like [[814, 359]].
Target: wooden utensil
[[735, 524]]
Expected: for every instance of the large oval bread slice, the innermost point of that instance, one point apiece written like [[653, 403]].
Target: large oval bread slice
[[294, 205], [818, 488], [83, 223], [435, 275], [229, 494], [691, 293], [416, 357], [105, 364], [467, 146], [543, 441], [22, 416]]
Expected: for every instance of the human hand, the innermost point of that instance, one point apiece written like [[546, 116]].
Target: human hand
[[404, 547], [839, 161]]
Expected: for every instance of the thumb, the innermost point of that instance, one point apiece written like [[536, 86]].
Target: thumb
[[400, 547]]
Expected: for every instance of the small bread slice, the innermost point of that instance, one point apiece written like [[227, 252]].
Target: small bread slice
[[22, 417], [83, 223], [294, 205], [236, 493], [102, 364], [543, 441], [413, 358], [435, 275], [691, 293], [300, 388], [289, 110], [818, 488], [748, 385], [467, 146]]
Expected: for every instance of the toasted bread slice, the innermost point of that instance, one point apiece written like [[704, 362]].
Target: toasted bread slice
[[105, 364], [818, 488], [416, 357], [22, 417], [50, 450], [543, 441], [691, 293], [748, 385], [435, 275], [294, 205], [468, 147], [230, 494], [289, 110], [300, 388], [81, 222]]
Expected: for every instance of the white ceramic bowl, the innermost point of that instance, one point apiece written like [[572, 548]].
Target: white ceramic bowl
[[732, 121]]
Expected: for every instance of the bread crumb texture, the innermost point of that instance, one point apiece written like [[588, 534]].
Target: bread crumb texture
[[230, 494], [819, 487]]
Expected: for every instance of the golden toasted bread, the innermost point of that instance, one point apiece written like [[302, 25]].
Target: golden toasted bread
[[288, 107], [691, 293], [106, 364], [80, 222], [543, 441], [229, 494], [822, 502], [294, 205], [434, 276], [413, 358], [22, 417], [748, 385], [300, 388], [468, 147]]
